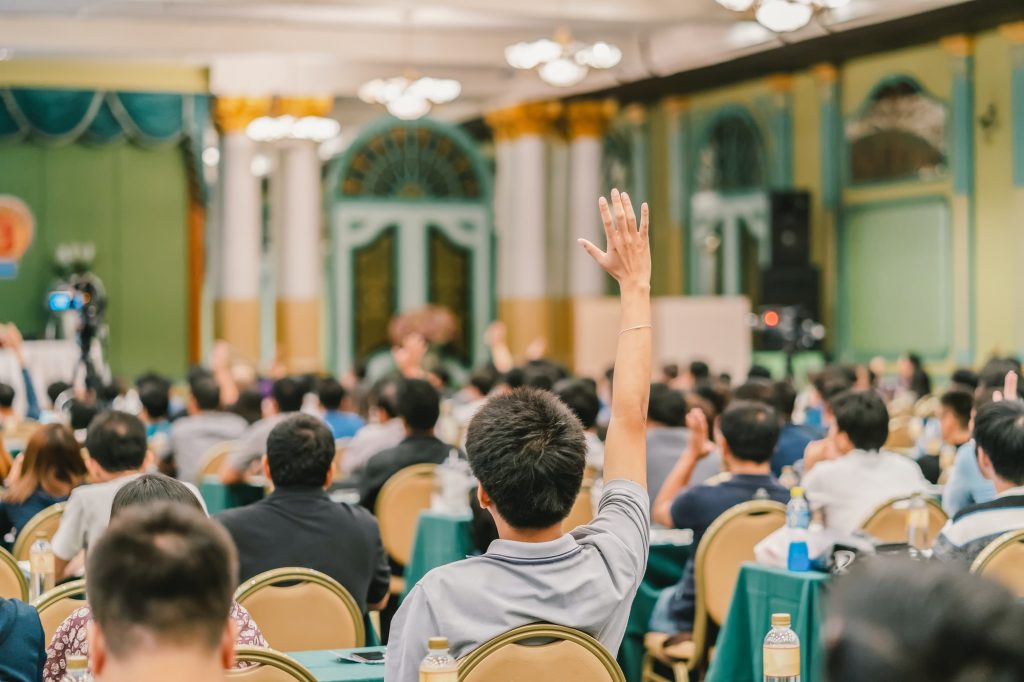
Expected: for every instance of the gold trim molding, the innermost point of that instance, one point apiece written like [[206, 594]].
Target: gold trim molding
[[532, 118], [589, 118], [233, 114], [960, 45], [1014, 32], [300, 107]]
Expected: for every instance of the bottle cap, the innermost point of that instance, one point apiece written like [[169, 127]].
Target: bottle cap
[[437, 643], [781, 620], [796, 491], [77, 663]]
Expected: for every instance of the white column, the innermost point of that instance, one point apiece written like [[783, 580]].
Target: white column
[[504, 189], [528, 246], [585, 220]]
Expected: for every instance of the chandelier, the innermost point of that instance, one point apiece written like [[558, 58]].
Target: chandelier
[[562, 61], [782, 16], [409, 98], [287, 127]]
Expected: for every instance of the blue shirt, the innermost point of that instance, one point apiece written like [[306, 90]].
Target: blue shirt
[[16, 514], [343, 424], [163, 426], [22, 645], [966, 486], [793, 440]]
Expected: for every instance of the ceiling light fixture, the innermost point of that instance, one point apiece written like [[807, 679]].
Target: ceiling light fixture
[[410, 98], [563, 61], [782, 16], [276, 128]]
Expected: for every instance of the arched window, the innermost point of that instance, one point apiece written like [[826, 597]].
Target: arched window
[[732, 157]]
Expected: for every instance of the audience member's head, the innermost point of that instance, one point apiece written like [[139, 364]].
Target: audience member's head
[[784, 400], [669, 372], [541, 375], [999, 433], [914, 376], [55, 390], [861, 421], [965, 380], [666, 407], [749, 430], [995, 371], [249, 405], [205, 395], [81, 413], [482, 381], [717, 394], [581, 398], [155, 399], [955, 415], [150, 489], [759, 372], [6, 396], [419, 405], [52, 460], [331, 394], [288, 394], [902, 621], [116, 442], [384, 399], [300, 452], [699, 372], [758, 390], [528, 451], [160, 581]]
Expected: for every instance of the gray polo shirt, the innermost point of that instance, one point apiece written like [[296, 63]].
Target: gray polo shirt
[[585, 579], [192, 438]]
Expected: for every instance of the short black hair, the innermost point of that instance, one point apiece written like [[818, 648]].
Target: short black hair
[[903, 621], [117, 441], [152, 378], [155, 399], [163, 572], [699, 370], [6, 396], [384, 396], [288, 394], [999, 431], [483, 380], [751, 429], [528, 451], [54, 390], [206, 392], [965, 377], [581, 398], [715, 394], [785, 399], [152, 488], [863, 417], [670, 370], [419, 404], [249, 405], [759, 372], [300, 452], [666, 406], [960, 403], [542, 375], [331, 393], [514, 378], [81, 413], [758, 390]]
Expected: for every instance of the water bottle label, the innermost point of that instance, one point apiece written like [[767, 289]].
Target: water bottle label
[[782, 662]]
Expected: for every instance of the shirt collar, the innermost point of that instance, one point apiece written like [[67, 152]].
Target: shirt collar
[[1019, 490], [532, 551]]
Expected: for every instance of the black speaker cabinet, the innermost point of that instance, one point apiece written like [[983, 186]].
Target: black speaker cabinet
[[791, 229]]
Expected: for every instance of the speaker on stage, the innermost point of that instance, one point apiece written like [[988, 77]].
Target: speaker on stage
[[793, 287], [791, 229]]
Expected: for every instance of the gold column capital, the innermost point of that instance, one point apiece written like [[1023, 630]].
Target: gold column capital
[[530, 118], [1013, 32], [780, 82], [233, 114], [589, 118], [676, 104], [825, 72], [960, 45], [635, 114], [300, 107]]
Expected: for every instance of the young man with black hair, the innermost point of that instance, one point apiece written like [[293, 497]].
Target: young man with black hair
[[999, 435], [967, 484], [299, 525], [793, 438], [155, 397], [528, 451], [747, 433], [851, 486], [667, 437], [581, 397], [419, 406], [286, 398], [954, 417], [384, 431], [331, 395], [205, 426]]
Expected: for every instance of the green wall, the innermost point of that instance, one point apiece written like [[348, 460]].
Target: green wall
[[132, 203]]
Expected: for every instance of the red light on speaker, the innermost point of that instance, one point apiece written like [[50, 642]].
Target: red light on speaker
[[771, 319]]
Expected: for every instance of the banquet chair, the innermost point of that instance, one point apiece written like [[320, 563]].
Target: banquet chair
[[582, 511], [56, 605], [13, 584], [1003, 561], [541, 653], [299, 609], [901, 433], [214, 458], [269, 666], [42, 525], [399, 503], [888, 523], [725, 547]]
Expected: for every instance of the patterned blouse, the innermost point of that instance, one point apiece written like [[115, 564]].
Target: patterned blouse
[[70, 639]]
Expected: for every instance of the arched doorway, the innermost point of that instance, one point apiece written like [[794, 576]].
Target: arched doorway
[[411, 225]]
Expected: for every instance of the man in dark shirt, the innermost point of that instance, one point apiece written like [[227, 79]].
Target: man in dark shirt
[[747, 434], [22, 646], [298, 525], [419, 407]]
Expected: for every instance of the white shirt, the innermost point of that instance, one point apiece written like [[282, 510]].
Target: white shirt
[[853, 486]]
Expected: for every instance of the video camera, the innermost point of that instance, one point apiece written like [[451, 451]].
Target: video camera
[[84, 294]]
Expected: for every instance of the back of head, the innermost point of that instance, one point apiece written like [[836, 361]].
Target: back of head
[[758, 390], [902, 621], [6, 396], [528, 451], [331, 393], [206, 393], [419, 404], [117, 441], [161, 576], [959, 403], [666, 406], [288, 394], [785, 400], [300, 452], [51, 454], [81, 414], [483, 380], [581, 398], [759, 372], [54, 390], [832, 381], [751, 430], [249, 405], [155, 399], [999, 431], [966, 379], [699, 371], [384, 396], [150, 489], [863, 417]]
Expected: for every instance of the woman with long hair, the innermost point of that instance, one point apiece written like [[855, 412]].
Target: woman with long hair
[[51, 467]]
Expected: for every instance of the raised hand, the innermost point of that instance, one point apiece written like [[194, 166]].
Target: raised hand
[[628, 254], [697, 424]]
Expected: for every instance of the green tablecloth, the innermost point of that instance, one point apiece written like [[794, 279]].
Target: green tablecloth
[[440, 539], [326, 667], [219, 497], [760, 592]]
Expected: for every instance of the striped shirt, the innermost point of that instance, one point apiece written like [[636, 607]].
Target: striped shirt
[[975, 527]]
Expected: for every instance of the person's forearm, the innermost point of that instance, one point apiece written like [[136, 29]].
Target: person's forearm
[[33, 412], [676, 480]]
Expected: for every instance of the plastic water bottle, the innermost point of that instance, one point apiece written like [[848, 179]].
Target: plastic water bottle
[[77, 670], [798, 520], [781, 651], [42, 568], [917, 526], [439, 666]]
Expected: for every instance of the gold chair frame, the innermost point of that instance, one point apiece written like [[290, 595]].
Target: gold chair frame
[[47, 600], [934, 508], [994, 551], [582, 511], [400, 554], [541, 631], [8, 562], [272, 659], [29, 534], [214, 458]]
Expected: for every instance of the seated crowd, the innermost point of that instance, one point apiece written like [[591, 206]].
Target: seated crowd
[[678, 454]]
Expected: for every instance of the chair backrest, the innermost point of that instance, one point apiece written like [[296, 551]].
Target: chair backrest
[[55, 606], [42, 525], [299, 609], [1003, 561], [901, 434], [13, 584], [399, 503], [541, 653], [268, 666], [888, 523], [582, 511], [214, 458]]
